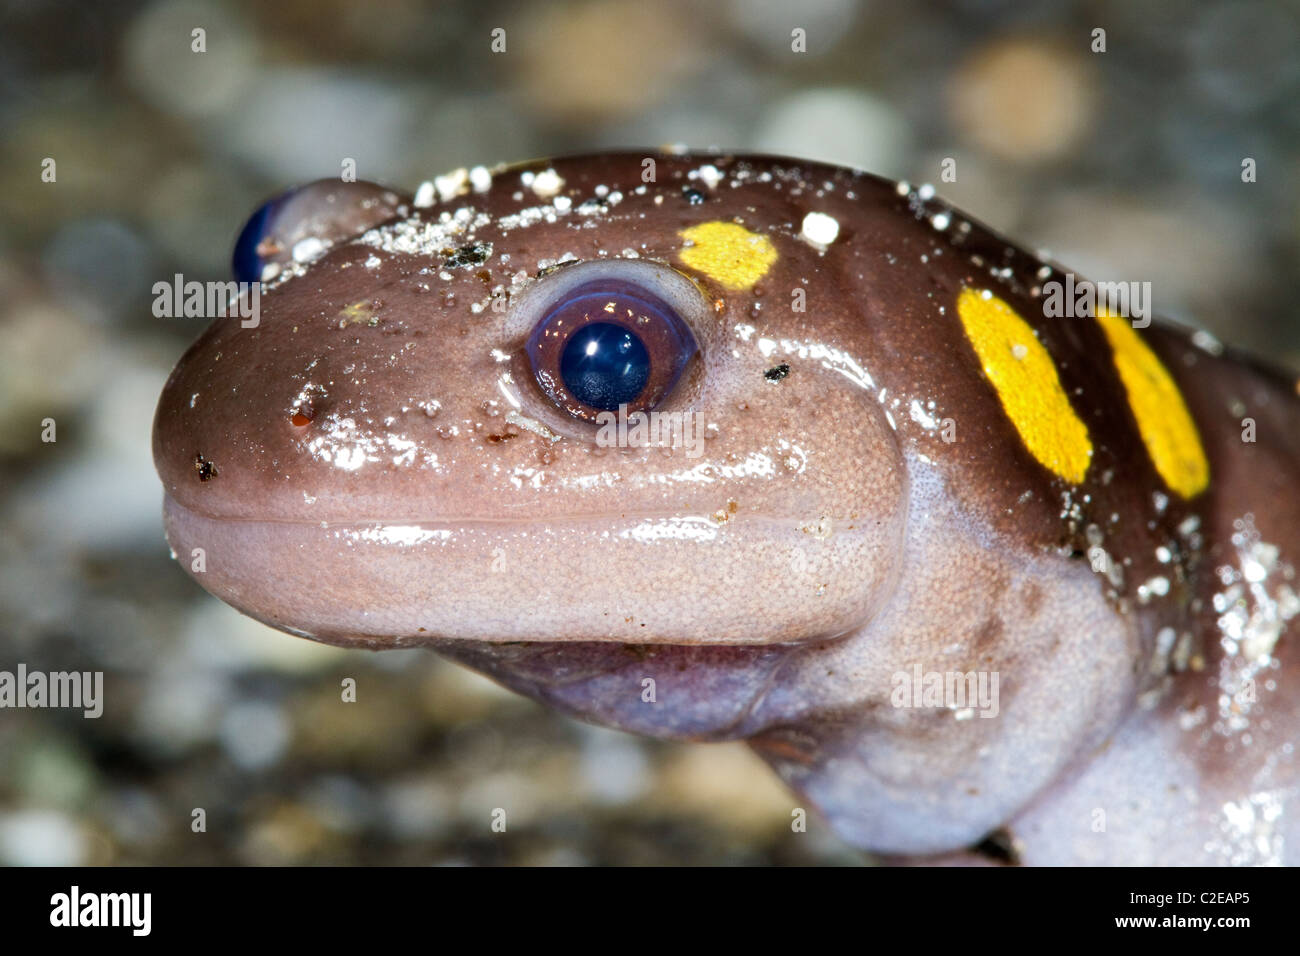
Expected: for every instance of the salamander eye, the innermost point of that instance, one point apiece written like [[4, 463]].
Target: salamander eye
[[254, 248], [609, 343], [300, 224]]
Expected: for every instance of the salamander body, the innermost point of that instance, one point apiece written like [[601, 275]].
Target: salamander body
[[718, 447]]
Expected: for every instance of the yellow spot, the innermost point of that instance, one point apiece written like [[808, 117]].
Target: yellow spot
[[729, 254], [1025, 378], [1165, 424], [358, 313]]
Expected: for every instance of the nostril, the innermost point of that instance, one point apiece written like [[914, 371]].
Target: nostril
[[306, 406], [206, 469]]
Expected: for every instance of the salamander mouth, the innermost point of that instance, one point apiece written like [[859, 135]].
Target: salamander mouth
[[631, 579]]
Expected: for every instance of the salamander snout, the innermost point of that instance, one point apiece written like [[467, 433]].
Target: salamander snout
[[447, 425]]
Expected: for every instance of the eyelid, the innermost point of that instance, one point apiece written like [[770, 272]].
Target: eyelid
[[675, 290]]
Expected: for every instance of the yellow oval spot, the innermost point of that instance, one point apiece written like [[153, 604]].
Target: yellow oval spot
[[729, 254], [1165, 424], [1025, 378]]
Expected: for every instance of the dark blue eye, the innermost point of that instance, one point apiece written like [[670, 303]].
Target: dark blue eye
[[605, 365], [606, 344], [321, 213], [248, 260]]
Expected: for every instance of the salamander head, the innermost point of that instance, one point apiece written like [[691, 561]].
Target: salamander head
[[565, 402]]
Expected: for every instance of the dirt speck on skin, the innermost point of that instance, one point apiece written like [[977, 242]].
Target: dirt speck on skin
[[471, 254]]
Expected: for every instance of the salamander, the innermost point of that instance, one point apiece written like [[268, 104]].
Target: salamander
[[713, 447]]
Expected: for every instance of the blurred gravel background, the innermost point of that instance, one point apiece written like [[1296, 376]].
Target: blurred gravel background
[[1125, 165]]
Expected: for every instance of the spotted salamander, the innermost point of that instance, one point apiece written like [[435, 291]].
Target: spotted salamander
[[725, 446]]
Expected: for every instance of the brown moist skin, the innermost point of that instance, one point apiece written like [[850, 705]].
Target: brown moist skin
[[357, 439]]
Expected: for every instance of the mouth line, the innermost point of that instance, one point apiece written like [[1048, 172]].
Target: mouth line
[[623, 578], [471, 520]]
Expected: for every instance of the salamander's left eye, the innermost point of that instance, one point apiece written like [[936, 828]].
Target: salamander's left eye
[[608, 343]]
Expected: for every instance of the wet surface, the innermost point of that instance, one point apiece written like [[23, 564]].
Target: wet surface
[[1127, 165]]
